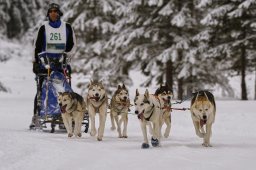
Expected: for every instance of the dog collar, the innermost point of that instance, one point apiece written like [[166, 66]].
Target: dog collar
[[152, 110]]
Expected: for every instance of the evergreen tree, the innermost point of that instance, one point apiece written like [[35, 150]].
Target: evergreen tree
[[231, 32], [17, 17], [156, 37], [93, 24]]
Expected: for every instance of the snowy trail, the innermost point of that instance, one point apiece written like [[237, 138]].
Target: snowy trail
[[233, 137], [233, 143]]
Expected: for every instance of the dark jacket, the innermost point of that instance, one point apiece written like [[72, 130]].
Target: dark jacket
[[40, 42]]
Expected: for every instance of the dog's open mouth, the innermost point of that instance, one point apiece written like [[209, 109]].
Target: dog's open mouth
[[140, 115], [63, 109], [203, 121], [123, 100], [167, 101], [96, 98]]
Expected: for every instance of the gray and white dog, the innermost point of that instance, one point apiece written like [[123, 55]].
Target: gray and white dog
[[119, 107], [97, 102]]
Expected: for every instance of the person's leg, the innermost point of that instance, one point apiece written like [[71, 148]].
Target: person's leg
[[35, 112]]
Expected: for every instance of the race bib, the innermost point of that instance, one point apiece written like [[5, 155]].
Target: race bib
[[55, 38]]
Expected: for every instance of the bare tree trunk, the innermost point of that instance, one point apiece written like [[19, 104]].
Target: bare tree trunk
[[180, 88], [243, 74], [169, 74], [180, 80], [255, 85]]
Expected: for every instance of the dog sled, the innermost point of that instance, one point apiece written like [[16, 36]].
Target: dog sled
[[49, 84]]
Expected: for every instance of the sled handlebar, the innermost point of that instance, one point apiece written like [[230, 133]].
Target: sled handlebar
[[46, 61]]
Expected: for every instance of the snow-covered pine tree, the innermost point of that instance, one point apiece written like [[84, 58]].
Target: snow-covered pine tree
[[17, 16], [231, 29], [155, 37], [137, 38], [93, 24]]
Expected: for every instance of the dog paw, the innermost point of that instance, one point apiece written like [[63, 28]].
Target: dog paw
[[206, 145], [166, 135], [125, 136], [79, 135], [70, 135], [99, 138], [53, 130], [145, 146], [113, 128], [154, 142]]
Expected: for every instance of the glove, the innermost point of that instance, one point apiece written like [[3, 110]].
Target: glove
[[47, 66], [36, 67]]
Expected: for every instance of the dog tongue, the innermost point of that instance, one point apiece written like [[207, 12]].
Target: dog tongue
[[140, 116], [202, 122], [63, 109]]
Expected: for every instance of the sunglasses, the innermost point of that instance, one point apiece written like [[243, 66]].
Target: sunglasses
[[53, 10]]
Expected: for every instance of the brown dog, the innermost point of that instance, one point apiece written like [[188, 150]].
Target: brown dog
[[119, 107], [203, 110]]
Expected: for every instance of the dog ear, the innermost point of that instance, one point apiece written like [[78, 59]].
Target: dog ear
[[137, 92], [119, 87], [59, 93], [73, 95], [206, 96], [101, 83], [146, 94], [70, 95], [90, 83], [124, 86]]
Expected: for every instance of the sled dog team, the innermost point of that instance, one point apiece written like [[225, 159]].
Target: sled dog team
[[153, 110]]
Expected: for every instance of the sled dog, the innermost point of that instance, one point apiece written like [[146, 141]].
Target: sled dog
[[97, 102], [119, 107], [72, 107], [203, 110], [164, 93], [148, 109]]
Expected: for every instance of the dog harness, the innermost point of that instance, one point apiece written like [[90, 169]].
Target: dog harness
[[123, 104], [152, 110], [103, 98]]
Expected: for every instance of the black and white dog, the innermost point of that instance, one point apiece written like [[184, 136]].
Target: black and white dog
[[165, 94]]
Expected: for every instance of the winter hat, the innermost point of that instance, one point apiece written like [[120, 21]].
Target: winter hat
[[56, 6]]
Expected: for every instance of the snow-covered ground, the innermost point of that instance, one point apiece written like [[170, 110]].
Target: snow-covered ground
[[233, 138]]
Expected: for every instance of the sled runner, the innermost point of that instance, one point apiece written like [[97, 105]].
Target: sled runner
[[49, 84]]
